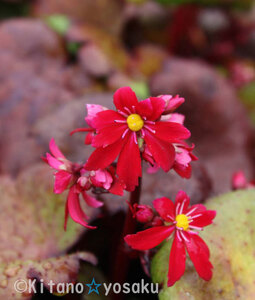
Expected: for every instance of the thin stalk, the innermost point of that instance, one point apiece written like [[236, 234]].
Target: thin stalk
[[122, 260]]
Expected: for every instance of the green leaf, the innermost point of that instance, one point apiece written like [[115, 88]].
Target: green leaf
[[247, 96], [141, 89], [231, 240], [59, 23]]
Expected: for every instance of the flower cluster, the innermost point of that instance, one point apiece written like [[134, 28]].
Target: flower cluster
[[147, 130], [75, 178], [184, 222]]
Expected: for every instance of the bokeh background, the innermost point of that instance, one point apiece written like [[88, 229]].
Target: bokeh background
[[58, 55]]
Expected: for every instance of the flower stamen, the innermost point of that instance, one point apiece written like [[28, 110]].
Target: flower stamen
[[196, 216], [125, 132], [191, 211], [120, 121], [135, 122], [195, 227], [122, 113], [181, 209], [127, 110], [135, 138], [150, 122], [183, 236], [151, 130], [182, 222]]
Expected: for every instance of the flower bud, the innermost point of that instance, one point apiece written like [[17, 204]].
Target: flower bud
[[143, 213]]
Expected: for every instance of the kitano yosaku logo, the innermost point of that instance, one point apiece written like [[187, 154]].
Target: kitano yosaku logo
[[33, 286]]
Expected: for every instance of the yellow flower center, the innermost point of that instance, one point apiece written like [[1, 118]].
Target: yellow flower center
[[135, 122], [182, 221]]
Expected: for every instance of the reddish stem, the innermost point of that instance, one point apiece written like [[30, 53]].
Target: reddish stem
[[122, 260]]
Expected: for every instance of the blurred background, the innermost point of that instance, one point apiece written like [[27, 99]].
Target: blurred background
[[58, 55]]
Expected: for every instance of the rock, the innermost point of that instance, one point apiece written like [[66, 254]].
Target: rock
[[94, 61], [101, 13], [162, 184], [35, 80]]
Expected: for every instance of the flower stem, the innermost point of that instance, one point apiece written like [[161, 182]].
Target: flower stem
[[122, 260]]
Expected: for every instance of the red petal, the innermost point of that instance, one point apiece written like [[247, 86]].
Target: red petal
[[117, 187], [162, 152], [108, 135], [91, 201], [172, 103], [149, 238], [196, 209], [181, 203], [205, 219], [125, 97], [74, 209], [170, 131], [129, 163], [106, 118], [165, 208], [55, 150], [151, 108], [62, 180], [88, 138], [183, 171], [199, 254], [103, 157], [53, 162], [176, 261]]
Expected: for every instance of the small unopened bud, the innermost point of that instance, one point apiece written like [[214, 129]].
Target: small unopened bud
[[143, 213], [239, 181]]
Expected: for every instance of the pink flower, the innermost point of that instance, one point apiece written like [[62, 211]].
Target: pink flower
[[183, 152], [239, 181], [183, 222], [172, 103], [183, 159], [78, 180], [125, 134]]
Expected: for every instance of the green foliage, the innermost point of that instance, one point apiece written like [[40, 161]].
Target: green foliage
[[247, 96], [73, 48], [59, 23], [231, 240], [141, 89]]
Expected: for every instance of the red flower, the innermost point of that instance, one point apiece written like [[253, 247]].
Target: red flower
[[78, 180], [125, 134], [184, 222]]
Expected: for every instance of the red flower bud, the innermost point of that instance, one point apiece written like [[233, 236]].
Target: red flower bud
[[143, 213]]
